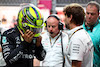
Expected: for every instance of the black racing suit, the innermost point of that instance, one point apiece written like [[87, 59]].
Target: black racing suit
[[18, 53]]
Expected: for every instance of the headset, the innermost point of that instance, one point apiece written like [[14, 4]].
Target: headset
[[60, 27], [60, 24]]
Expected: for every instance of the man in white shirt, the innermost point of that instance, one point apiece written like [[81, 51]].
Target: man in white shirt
[[54, 42], [80, 47]]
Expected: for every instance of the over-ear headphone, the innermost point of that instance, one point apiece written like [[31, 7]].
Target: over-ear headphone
[[60, 24]]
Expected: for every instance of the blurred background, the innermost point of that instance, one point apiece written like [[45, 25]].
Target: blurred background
[[9, 9]]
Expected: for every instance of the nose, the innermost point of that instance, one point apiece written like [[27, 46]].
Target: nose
[[89, 15], [50, 28]]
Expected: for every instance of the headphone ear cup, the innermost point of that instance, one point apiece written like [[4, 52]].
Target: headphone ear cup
[[45, 23], [60, 26]]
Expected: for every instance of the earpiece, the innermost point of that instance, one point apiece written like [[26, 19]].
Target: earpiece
[[60, 24]]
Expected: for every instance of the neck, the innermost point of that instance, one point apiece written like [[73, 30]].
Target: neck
[[87, 24], [72, 26]]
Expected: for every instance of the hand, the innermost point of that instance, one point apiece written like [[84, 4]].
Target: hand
[[0, 48], [27, 36], [38, 41], [76, 63]]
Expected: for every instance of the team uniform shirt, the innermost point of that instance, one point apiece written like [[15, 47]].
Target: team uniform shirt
[[17, 52], [80, 48], [53, 49], [95, 36]]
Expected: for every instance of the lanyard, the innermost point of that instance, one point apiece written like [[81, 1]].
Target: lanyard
[[75, 32], [54, 41]]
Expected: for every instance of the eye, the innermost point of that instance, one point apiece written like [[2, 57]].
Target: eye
[[48, 26], [92, 13], [87, 13], [53, 26]]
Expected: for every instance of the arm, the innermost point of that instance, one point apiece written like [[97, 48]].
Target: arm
[[77, 52], [36, 62], [12, 52], [76, 63], [39, 50], [0, 49]]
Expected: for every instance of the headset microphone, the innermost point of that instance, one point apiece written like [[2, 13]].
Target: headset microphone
[[51, 32]]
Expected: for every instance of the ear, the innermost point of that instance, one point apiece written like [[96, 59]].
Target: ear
[[70, 18]]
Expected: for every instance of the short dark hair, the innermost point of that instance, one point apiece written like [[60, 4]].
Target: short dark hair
[[94, 3], [76, 11]]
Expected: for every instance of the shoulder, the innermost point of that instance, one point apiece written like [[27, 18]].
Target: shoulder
[[45, 34], [81, 37], [83, 24], [65, 38], [81, 34], [9, 32], [64, 35], [98, 23]]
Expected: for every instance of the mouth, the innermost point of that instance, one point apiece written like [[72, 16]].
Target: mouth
[[51, 32], [89, 19]]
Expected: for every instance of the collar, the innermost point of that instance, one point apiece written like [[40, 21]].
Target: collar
[[90, 28], [55, 36], [70, 32], [16, 28]]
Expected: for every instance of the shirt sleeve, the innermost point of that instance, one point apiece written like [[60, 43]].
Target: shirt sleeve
[[40, 53], [77, 49]]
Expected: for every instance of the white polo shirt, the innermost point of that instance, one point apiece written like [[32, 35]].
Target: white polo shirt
[[54, 55], [80, 48]]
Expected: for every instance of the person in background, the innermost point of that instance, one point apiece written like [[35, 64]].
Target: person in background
[[4, 20], [92, 26], [2, 62], [51, 12], [14, 21], [54, 42], [22, 43], [80, 48]]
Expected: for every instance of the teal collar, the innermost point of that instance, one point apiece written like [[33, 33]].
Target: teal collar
[[90, 28]]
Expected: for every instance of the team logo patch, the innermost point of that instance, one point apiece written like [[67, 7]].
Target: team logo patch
[[4, 40]]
